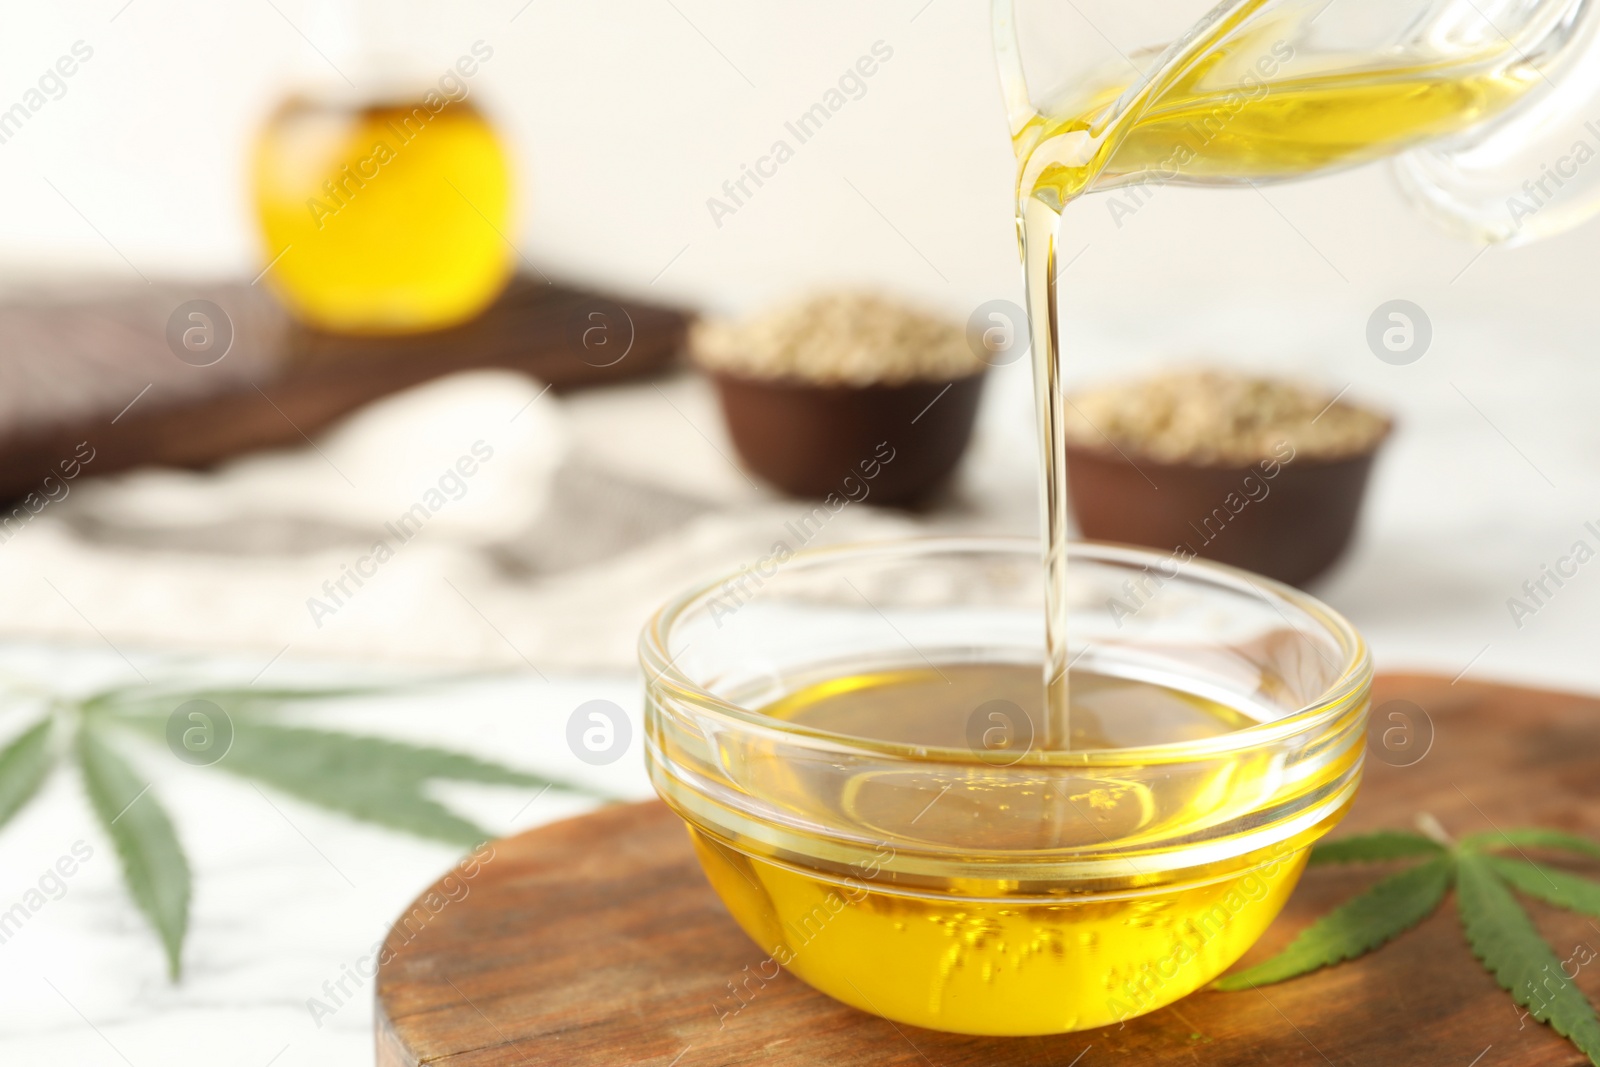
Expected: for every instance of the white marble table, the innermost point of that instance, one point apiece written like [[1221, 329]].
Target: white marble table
[[288, 896], [1493, 474]]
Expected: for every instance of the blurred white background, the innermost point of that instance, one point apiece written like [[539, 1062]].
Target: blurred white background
[[627, 116]]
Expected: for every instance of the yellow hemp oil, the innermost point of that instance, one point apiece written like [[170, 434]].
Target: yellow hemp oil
[[384, 218], [1245, 100], [863, 913], [1254, 106], [1062, 891]]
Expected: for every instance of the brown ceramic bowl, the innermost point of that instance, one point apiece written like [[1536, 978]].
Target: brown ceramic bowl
[[807, 439], [1292, 525]]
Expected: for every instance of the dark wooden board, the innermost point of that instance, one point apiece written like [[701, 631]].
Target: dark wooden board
[[597, 940], [97, 369]]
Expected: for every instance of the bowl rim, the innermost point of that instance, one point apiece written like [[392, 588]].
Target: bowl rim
[[1333, 703]]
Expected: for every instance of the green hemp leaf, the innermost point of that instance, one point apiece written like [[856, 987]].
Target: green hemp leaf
[[1500, 932], [153, 863], [373, 779], [24, 765]]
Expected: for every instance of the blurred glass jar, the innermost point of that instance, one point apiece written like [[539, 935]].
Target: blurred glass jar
[[383, 208]]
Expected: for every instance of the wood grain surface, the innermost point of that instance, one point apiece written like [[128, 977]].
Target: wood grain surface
[[96, 369], [597, 940]]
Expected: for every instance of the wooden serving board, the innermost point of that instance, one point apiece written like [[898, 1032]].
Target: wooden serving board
[[597, 940], [97, 371]]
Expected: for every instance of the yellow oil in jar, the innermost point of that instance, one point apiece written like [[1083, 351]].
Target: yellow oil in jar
[[1251, 106], [1020, 951], [383, 218], [1249, 98]]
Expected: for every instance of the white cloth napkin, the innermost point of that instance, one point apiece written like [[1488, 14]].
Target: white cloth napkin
[[465, 522]]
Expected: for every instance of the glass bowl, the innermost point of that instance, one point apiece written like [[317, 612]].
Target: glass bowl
[[975, 877]]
